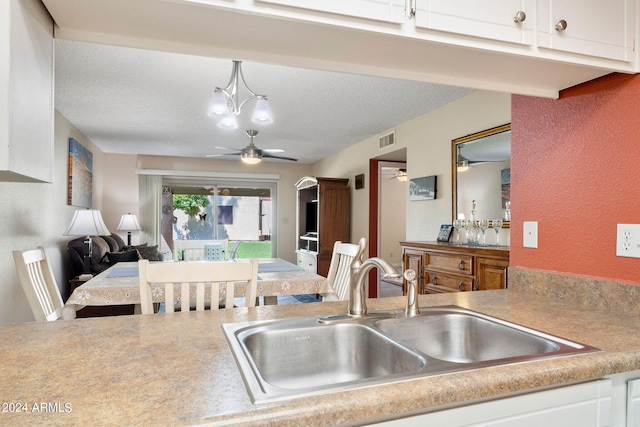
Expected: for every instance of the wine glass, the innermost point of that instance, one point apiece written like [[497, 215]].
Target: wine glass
[[497, 226], [457, 224], [483, 224], [466, 224]]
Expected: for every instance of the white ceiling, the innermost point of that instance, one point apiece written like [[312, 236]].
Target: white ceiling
[[135, 101]]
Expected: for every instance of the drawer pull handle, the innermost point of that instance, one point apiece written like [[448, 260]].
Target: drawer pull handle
[[461, 265], [461, 286], [520, 17], [561, 25], [434, 280]]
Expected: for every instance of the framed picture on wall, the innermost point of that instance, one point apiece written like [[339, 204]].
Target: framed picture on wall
[[422, 188], [80, 182], [445, 232]]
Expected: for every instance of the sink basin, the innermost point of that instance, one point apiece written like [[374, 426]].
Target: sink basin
[[465, 337], [304, 357]]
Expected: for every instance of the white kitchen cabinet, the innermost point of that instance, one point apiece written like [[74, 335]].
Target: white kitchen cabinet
[[503, 20], [379, 10], [307, 260], [584, 405], [603, 29], [26, 92], [633, 403]]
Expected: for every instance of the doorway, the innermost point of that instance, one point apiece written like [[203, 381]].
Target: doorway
[[387, 226]]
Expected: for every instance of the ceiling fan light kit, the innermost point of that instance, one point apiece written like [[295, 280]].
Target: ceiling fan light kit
[[251, 154], [226, 105]]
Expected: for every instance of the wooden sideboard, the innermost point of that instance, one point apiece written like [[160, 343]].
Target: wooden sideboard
[[445, 267]]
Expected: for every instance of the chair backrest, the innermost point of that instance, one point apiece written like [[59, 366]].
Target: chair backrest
[[39, 284], [198, 281], [340, 268], [196, 250]]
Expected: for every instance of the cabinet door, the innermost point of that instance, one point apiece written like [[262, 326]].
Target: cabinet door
[[491, 19], [598, 28], [584, 405], [413, 259], [307, 261], [379, 10], [436, 282], [491, 274]]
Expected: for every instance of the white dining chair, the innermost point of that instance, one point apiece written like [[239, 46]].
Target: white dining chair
[[198, 282], [340, 268], [39, 284]]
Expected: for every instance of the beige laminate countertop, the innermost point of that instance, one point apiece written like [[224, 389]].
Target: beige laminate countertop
[[177, 369]]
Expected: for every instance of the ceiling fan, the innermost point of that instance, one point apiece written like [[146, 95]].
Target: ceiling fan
[[252, 154]]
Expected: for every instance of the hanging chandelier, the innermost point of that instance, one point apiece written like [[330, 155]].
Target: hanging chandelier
[[226, 106]]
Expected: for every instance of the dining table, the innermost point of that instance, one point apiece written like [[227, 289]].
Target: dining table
[[119, 285]]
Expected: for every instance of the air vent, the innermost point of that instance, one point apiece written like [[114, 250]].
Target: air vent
[[387, 140]]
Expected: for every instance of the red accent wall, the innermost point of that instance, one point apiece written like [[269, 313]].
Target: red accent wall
[[575, 169]]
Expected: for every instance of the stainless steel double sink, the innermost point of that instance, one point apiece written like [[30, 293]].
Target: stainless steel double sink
[[303, 357]]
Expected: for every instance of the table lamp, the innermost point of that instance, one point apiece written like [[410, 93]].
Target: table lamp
[[129, 223], [87, 222]]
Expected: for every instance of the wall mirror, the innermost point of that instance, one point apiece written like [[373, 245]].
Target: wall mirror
[[480, 165]]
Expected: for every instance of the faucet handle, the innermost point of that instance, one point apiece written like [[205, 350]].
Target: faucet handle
[[412, 293]]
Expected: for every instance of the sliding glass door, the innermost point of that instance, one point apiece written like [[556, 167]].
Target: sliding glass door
[[239, 212]]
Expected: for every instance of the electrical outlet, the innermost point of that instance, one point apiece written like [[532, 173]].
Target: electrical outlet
[[628, 240]]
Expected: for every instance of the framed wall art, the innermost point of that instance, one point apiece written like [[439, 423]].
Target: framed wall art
[[80, 186], [422, 188]]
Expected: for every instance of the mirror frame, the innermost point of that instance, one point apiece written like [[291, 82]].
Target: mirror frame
[[454, 164]]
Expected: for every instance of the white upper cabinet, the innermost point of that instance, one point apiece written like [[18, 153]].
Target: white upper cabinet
[[504, 20], [603, 29], [378, 10], [26, 92]]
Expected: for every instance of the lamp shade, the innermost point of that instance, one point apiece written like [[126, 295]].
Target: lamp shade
[[262, 113], [87, 222], [129, 222], [219, 104], [228, 122]]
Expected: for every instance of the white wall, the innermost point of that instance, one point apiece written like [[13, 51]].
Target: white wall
[[35, 214], [428, 142]]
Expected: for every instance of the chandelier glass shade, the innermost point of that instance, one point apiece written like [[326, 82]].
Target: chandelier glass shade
[[226, 105]]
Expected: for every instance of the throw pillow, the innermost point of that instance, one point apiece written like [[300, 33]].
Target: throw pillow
[[128, 248], [114, 257], [149, 252]]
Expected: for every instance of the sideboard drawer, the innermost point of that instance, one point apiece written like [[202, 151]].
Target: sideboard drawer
[[455, 263], [455, 283]]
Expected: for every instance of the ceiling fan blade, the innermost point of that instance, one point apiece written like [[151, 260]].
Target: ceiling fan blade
[[227, 148], [273, 156], [222, 155]]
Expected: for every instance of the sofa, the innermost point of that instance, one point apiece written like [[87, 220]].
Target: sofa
[[107, 251]]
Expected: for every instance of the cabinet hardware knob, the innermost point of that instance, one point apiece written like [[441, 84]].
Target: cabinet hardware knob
[[434, 280], [461, 265], [461, 286], [520, 17], [561, 25]]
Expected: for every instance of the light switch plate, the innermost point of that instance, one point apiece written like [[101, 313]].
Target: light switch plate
[[530, 234], [628, 240]]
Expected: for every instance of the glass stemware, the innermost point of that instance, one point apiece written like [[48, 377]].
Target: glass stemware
[[483, 224], [497, 226], [466, 224], [457, 224]]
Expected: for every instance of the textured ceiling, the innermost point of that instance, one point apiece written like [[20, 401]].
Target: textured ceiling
[[135, 101]]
